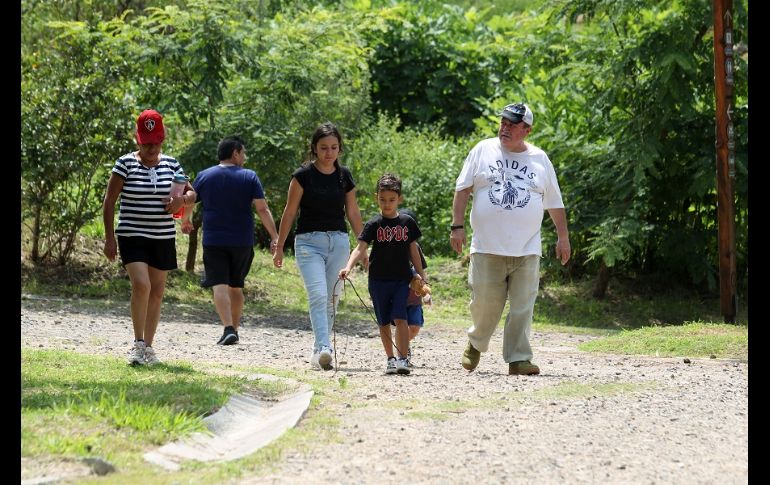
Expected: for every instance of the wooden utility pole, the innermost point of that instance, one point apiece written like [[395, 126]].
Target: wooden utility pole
[[724, 81]]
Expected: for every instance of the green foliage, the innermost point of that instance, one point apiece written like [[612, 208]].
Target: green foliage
[[629, 303], [74, 113], [496, 7], [427, 164], [185, 57], [622, 92], [36, 34], [308, 68], [633, 147], [432, 64]]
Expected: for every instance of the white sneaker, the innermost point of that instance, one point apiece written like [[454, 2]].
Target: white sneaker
[[315, 359], [391, 368], [149, 356], [402, 366], [325, 358], [136, 355]]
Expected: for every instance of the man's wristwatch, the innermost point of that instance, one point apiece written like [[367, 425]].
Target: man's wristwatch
[[456, 226]]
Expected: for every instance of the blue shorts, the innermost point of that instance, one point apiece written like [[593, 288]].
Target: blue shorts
[[414, 316], [389, 300]]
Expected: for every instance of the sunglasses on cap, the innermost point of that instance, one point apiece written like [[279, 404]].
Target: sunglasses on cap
[[514, 113]]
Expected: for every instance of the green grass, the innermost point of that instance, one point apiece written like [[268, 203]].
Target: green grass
[[76, 405], [696, 339], [580, 390], [79, 405]]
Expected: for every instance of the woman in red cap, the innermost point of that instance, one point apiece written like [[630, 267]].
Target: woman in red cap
[[145, 232]]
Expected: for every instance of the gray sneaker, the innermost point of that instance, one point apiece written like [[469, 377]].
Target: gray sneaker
[[149, 356], [136, 355]]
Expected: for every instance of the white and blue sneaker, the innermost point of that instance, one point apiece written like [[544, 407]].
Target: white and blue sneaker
[[391, 368], [136, 355], [402, 366]]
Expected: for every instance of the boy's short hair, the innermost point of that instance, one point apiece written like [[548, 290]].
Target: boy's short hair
[[389, 181]]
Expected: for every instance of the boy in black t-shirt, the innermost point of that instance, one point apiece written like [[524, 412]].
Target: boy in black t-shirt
[[394, 245]]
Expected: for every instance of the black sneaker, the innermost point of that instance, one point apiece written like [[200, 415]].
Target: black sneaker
[[229, 337]]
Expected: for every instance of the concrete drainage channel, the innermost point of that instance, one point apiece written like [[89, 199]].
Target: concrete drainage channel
[[240, 428]]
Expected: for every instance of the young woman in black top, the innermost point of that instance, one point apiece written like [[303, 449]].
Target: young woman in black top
[[323, 192]]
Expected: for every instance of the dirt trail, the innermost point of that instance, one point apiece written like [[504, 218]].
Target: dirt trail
[[587, 418]]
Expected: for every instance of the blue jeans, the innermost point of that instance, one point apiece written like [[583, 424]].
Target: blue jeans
[[320, 256]]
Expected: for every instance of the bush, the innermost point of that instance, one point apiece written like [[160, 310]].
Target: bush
[[428, 166]]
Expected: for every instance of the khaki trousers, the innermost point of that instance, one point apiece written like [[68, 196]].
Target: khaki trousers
[[493, 279]]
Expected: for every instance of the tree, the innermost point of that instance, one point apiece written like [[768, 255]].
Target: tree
[[434, 65], [623, 92], [74, 114]]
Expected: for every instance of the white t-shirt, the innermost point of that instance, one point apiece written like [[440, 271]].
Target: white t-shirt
[[510, 193]]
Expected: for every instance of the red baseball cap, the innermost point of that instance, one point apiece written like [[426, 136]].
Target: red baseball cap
[[149, 128]]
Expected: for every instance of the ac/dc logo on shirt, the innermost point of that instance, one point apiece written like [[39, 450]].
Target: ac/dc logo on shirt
[[388, 233]]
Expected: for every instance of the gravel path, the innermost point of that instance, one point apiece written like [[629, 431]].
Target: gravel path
[[587, 418]]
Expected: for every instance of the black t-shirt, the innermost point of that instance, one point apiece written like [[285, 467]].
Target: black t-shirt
[[390, 240], [322, 207]]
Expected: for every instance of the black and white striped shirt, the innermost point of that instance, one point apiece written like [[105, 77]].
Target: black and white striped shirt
[[142, 212]]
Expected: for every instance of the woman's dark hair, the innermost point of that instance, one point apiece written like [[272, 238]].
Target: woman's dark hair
[[326, 129]]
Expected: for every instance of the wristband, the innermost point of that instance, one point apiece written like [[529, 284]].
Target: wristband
[[456, 226]]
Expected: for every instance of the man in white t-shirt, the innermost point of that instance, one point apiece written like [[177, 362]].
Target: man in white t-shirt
[[512, 183]]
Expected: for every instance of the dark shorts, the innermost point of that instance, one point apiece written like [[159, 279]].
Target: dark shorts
[[158, 253], [226, 265], [389, 300]]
